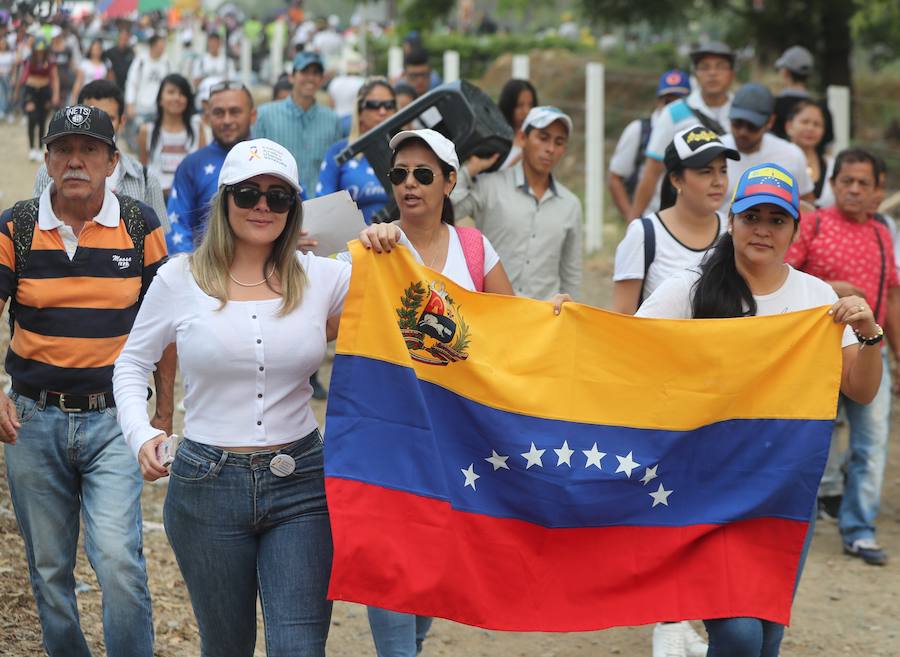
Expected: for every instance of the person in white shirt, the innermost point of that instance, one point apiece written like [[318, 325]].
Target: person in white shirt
[[685, 229], [245, 511], [214, 63], [752, 115], [746, 276], [145, 75], [627, 161], [708, 105]]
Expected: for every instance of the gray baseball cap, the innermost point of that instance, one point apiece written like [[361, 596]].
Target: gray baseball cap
[[796, 59], [754, 103], [716, 48]]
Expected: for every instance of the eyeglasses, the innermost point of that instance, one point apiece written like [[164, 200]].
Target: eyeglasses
[[278, 200], [398, 175], [227, 85], [389, 105]]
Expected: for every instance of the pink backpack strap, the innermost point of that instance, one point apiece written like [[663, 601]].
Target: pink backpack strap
[[473, 251]]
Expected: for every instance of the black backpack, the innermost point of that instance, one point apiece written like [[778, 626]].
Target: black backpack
[[632, 181]]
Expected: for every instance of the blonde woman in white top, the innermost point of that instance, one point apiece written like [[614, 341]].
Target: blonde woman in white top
[[245, 511]]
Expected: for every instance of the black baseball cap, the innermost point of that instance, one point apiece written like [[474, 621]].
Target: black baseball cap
[[696, 147], [81, 120]]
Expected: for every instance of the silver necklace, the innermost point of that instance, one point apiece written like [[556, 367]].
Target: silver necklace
[[237, 282]]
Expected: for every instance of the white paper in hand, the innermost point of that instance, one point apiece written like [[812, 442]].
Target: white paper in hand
[[332, 220]]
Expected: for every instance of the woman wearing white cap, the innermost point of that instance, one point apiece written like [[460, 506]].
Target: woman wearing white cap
[[423, 172], [245, 511]]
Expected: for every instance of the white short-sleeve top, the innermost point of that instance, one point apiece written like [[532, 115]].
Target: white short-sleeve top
[[245, 368]]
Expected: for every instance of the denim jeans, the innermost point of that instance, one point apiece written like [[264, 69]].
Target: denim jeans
[[870, 426], [63, 464], [396, 634], [237, 530]]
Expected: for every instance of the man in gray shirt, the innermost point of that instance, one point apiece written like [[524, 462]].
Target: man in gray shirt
[[530, 218]]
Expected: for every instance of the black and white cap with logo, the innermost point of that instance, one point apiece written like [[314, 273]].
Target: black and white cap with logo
[[696, 147], [81, 120]]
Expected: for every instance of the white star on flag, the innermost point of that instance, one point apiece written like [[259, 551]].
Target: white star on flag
[[661, 496], [174, 193], [627, 464], [497, 461], [649, 475], [370, 171], [208, 169], [353, 164], [564, 454], [533, 456], [593, 456], [177, 238], [173, 217], [470, 476]]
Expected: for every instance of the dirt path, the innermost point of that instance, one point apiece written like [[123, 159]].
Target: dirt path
[[843, 606]]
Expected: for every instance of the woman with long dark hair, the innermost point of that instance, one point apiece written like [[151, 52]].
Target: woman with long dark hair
[[40, 86], [517, 98], [163, 144], [745, 275], [687, 225], [805, 127]]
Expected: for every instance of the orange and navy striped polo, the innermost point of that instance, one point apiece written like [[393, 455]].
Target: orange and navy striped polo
[[72, 317]]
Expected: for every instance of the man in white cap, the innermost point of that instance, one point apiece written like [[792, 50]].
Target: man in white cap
[[533, 221]]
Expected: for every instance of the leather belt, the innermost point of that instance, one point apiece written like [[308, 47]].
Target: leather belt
[[65, 401]]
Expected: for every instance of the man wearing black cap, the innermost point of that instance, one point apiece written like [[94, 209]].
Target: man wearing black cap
[[751, 116], [75, 263], [708, 104]]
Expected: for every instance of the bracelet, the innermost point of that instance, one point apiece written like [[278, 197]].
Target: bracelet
[[875, 339]]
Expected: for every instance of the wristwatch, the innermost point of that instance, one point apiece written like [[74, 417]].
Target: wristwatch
[[875, 339]]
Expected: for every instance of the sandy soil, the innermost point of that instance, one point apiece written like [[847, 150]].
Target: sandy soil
[[843, 606]]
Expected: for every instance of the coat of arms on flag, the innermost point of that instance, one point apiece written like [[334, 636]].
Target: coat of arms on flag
[[433, 328]]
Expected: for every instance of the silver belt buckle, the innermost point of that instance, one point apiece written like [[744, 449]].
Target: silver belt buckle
[[63, 407]]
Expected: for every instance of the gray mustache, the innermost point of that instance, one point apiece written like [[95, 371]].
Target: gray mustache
[[76, 174]]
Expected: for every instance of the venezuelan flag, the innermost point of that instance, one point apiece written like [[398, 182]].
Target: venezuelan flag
[[492, 464]]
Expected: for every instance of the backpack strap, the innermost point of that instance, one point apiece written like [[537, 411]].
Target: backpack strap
[[708, 122], [640, 154], [649, 251], [134, 224], [473, 251], [24, 219]]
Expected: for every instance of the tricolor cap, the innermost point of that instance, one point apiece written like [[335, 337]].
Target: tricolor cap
[[766, 183], [81, 120], [673, 83], [442, 147], [258, 157], [542, 116], [696, 147]]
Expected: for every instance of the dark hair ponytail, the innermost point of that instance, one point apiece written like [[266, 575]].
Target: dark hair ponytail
[[447, 215], [721, 291], [667, 194]]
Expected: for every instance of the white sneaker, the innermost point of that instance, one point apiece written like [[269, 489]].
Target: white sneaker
[[693, 642], [668, 640]]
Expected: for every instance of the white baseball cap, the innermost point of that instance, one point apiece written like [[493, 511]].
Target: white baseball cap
[[542, 116], [258, 157], [443, 148]]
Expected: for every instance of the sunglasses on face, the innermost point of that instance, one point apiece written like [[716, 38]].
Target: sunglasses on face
[[278, 200], [398, 175], [378, 104]]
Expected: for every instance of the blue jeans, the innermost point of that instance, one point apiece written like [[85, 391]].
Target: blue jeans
[[870, 426], [396, 634], [63, 464], [237, 530]]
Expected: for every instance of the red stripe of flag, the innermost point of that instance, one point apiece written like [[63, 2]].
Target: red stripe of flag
[[416, 554], [765, 188]]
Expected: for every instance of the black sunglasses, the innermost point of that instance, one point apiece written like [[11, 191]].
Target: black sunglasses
[[378, 104], [398, 175], [278, 200]]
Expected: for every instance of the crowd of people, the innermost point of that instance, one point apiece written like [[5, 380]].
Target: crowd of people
[[734, 207]]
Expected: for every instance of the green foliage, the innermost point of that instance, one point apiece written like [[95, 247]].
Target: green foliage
[[411, 300], [423, 14], [624, 12], [878, 23], [476, 53]]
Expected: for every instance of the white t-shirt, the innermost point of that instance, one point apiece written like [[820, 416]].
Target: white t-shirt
[[455, 267], [826, 197], [622, 162], [343, 90], [246, 369], [671, 255], [772, 149], [800, 291], [678, 116], [91, 71]]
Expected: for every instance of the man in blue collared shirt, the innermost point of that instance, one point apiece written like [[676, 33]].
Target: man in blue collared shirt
[[298, 123]]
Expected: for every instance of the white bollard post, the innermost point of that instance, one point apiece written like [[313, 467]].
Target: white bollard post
[[451, 66], [395, 62], [593, 157], [839, 105], [246, 54], [276, 51], [520, 67]]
